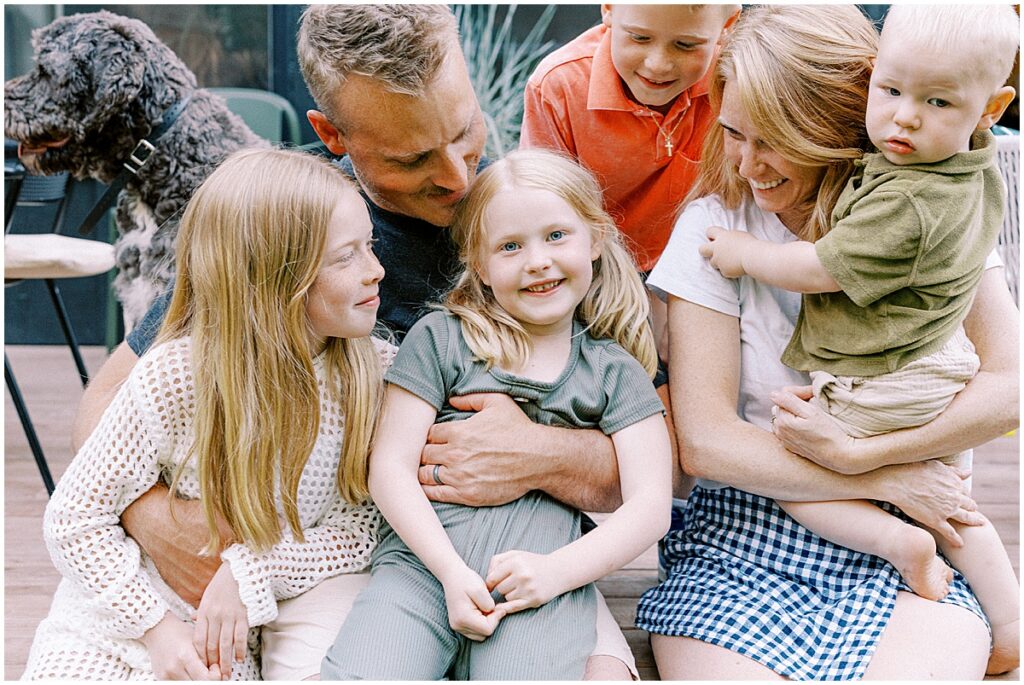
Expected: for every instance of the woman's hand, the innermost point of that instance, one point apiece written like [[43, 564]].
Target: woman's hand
[[524, 579], [171, 653], [807, 430], [933, 494], [471, 610], [222, 624]]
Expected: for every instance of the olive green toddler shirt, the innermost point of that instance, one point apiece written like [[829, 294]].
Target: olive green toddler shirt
[[908, 246]]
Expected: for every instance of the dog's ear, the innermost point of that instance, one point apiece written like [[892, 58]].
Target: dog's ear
[[112, 52]]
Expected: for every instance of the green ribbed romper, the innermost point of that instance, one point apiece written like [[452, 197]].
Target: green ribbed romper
[[398, 627]]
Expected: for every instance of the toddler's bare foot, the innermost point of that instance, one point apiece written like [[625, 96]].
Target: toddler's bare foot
[[1005, 648], [914, 557]]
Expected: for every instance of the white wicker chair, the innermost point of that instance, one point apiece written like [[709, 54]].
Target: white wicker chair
[[1008, 156]]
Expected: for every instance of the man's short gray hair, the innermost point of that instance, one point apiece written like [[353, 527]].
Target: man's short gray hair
[[402, 46]]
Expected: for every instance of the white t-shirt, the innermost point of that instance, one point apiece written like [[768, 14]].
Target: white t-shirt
[[767, 315]]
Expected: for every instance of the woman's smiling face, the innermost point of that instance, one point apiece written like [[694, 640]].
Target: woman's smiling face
[[778, 185]]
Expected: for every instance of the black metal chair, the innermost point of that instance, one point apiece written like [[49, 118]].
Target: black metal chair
[[46, 256]]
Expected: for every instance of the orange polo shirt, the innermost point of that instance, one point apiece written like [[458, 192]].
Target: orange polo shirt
[[576, 103]]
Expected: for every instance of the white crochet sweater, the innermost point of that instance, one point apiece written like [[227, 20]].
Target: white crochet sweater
[[142, 438]]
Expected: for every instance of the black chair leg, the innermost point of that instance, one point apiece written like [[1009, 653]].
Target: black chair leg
[[69, 333], [26, 424]]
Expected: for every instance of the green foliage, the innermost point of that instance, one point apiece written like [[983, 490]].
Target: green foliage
[[499, 66]]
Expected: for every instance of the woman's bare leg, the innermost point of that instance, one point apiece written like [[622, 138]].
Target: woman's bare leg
[[683, 658], [926, 640]]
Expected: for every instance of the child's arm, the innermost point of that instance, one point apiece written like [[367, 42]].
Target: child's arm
[[395, 489], [221, 625], [118, 462], [81, 527], [791, 266], [645, 472]]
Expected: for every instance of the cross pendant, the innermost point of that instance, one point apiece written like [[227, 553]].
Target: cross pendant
[[668, 146]]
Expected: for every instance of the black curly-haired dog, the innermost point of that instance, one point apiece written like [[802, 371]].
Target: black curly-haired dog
[[102, 82]]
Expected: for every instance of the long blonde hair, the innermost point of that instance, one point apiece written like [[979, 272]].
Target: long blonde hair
[[802, 73], [249, 249], [616, 306]]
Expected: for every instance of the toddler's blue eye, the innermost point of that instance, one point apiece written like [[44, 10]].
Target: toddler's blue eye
[[938, 102], [510, 247], [556, 235]]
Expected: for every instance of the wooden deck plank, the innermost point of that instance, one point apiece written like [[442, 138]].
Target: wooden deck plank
[[49, 383]]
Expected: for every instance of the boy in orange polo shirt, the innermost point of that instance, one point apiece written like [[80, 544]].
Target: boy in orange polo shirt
[[628, 100]]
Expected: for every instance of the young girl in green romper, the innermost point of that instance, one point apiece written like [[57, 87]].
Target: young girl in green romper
[[550, 311]]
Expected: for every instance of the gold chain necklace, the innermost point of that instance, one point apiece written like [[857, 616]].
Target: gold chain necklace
[[666, 135]]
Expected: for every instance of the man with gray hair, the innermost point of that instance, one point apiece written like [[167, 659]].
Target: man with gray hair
[[395, 100]]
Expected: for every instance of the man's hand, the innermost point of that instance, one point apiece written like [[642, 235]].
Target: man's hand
[[174, 543], [725, 250], [480, 457], [171, 653]]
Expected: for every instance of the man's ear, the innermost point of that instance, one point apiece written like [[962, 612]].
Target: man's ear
[[606, 15], [327, 132], [995, 107]]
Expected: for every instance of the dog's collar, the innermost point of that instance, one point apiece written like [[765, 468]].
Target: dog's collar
[[143, 150]]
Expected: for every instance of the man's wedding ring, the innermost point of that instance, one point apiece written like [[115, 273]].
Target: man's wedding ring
[[437, 474]]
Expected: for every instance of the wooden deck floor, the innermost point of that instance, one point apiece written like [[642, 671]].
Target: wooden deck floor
[[50, 385]]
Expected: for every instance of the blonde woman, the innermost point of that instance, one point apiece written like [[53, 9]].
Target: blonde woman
[[259, 399], [750, 592], [550, 311]]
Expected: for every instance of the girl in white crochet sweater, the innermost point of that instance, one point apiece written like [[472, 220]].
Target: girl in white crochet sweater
[[259, 398]]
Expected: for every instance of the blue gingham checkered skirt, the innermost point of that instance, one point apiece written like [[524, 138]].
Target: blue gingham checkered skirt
[[745, 576]]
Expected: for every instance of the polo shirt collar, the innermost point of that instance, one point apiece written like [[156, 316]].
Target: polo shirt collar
[[607, 91]]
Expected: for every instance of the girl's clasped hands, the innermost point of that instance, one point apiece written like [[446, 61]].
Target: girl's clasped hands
[[207, 650], [526, 580]]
